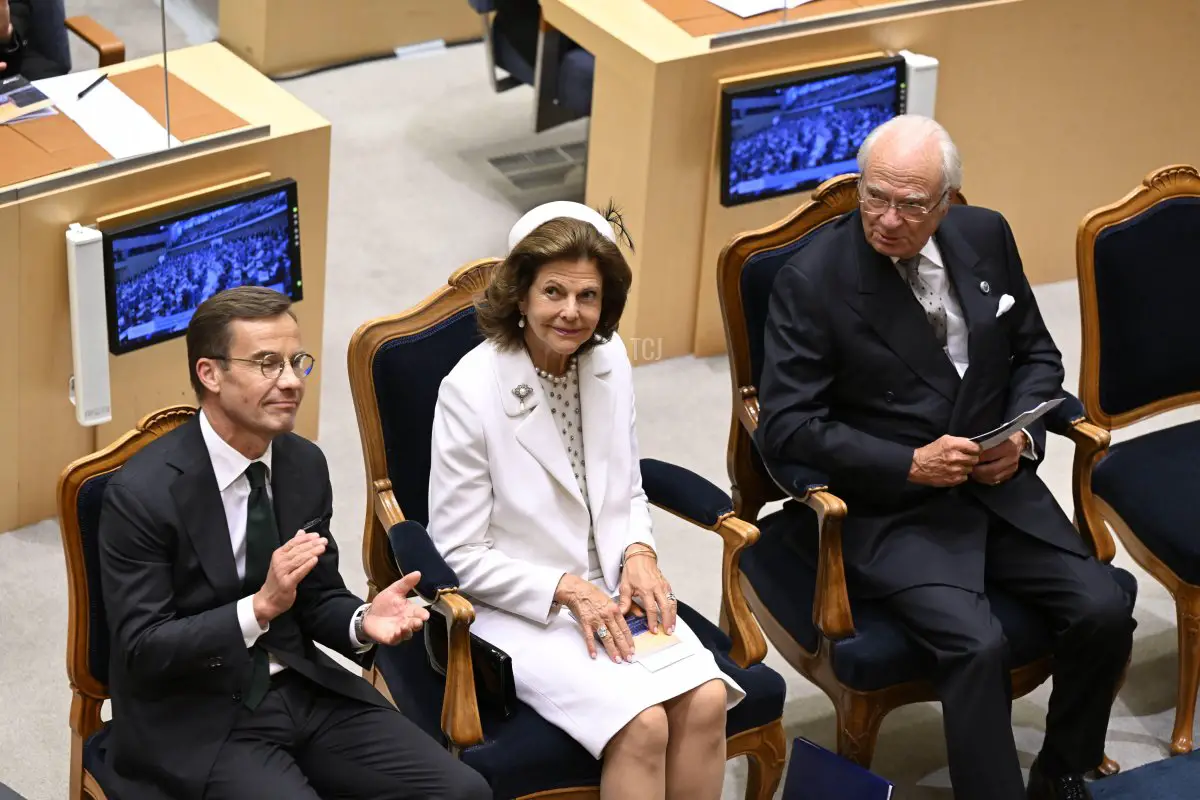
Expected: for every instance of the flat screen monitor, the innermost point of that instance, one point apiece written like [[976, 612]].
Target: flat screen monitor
[[788, 133], [157, 271]]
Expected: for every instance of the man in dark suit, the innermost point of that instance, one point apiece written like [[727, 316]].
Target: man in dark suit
[[220, 577], [896, 333], [19, 54]]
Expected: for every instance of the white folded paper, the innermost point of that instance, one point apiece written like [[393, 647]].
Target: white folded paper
[[1020, 422], [751, 8]]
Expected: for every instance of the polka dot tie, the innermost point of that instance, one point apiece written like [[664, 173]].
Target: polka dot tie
[[931, 301]]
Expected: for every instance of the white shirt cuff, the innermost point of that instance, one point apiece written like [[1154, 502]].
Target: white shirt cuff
[[1030, 450], [358, 646], [248, 622]]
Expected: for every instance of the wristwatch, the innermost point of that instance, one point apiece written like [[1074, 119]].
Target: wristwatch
[[357, 622]]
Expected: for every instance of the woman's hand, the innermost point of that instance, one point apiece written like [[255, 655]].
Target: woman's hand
[[641, 579], [597, 614]]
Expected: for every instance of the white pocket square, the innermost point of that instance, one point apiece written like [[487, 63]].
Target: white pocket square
[[1006, 302]]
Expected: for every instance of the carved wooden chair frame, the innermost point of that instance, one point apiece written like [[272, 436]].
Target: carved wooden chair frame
[[765, 746], [87, 693], [859, 713], [1178, 180]]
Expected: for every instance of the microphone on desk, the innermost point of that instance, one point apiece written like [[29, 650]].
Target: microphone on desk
[[93, 85]]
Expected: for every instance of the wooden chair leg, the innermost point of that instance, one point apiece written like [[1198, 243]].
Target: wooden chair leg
[[1187, 611], [765, 763], [858, 721]]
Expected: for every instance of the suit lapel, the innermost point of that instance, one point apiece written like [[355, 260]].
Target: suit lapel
[[890, 308], [535, 427], [596, 399], [287, 490], [201, 512]]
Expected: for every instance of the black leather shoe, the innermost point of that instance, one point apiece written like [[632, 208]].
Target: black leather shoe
[[1065, 787]]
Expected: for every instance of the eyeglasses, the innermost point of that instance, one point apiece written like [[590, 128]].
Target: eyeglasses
[[913, 212], [272, 364]]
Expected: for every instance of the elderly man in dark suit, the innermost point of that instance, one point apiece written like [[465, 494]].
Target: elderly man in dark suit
[[19, 37], [899, 331], [220, 576]]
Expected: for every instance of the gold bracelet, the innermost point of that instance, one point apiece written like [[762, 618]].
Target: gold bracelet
[[628, 556]]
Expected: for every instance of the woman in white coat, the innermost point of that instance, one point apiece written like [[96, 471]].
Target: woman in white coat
[[536, 501]]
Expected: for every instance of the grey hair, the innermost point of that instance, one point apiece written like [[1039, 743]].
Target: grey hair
[[912, 128]]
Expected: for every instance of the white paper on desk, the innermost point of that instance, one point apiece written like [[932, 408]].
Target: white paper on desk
[[751, 8], [992, 438], [108, 115]]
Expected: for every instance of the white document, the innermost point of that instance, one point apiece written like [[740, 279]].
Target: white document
[[992, 438], [750, 8], [108, 115]]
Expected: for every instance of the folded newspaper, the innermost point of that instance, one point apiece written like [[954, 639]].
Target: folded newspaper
[[992, 438]]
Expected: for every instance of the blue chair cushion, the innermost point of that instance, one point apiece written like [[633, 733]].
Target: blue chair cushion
[[1149, 481], [683, 492], [577, 71], [95, 759], [408, 372], [781, 567], [1146, 277], [88, 506], [525, 754]]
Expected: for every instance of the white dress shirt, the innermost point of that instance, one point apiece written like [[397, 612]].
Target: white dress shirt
[[229, 466], [932, 271]]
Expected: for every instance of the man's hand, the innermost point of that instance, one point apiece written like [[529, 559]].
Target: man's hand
[[289, 565], [946, 462], [1001, 462], [392, 617]]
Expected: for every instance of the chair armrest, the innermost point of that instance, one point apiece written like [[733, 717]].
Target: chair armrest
[[110, 49], [413, 549], [690, 497], [831, 601], [1091, 444]]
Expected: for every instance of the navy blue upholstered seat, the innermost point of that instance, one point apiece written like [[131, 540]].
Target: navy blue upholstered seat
[[90, 501], [1139, 270], [1149, 481], [525, 754], [782, 568]]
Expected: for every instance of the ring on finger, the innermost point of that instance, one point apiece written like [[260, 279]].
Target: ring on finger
[[602, 631], [671, 597]]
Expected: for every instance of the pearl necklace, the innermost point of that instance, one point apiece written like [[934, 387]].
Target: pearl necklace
[[557, 380]]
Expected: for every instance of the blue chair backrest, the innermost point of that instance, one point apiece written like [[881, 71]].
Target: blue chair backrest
[[1147, 275], [48, 31], [90, 501], [757, 280], [483, 6], [408, 372]]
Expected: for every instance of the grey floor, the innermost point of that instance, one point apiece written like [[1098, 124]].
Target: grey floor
[[413, 197]]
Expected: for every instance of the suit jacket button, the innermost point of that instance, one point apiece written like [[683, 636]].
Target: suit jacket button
[[215, 662], [888, 396], [237, 697]]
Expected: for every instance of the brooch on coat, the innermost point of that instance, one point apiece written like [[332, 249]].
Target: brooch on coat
[[521, 392]]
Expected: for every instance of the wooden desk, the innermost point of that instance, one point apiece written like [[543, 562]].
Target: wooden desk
[[1058, 106], [285, 36], [38, 432]]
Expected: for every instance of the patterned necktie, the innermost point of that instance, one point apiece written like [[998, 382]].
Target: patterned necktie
[[262, 537], [931, 302]]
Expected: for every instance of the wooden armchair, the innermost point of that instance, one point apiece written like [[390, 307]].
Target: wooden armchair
[[1139, 270], [794, 580], [80, 498], [396, 367]]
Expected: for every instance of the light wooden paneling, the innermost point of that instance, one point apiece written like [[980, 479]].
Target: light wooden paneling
[[10, 420], [282, 36]]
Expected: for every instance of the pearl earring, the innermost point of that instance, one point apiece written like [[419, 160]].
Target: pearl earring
[[521, 323]]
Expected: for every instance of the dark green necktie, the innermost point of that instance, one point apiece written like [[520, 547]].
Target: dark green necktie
[[262, 537]]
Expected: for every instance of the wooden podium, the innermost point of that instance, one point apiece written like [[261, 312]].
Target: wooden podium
[[287, 36], [39, 435]]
